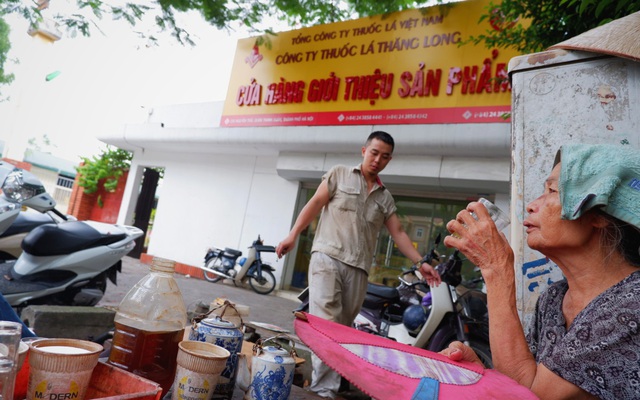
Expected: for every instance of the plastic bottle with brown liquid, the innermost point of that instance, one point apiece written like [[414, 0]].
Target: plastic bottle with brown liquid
[[149, 324]]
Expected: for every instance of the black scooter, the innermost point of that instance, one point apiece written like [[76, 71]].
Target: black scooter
[[430, 318]]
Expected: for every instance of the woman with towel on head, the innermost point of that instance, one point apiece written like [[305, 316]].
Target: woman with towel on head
[[584, 341]]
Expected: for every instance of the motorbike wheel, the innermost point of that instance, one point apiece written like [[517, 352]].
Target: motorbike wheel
[[264, 285], [213, 263]]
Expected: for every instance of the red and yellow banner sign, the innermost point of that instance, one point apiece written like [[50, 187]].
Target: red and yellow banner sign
[[403, 68]]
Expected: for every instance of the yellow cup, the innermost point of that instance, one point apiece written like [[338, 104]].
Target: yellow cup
[[199, 367], [60, 369]]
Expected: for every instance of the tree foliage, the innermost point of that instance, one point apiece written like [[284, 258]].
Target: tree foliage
[[223, 14], [534, 25], [103, 170], [547, 21], [5, 46]]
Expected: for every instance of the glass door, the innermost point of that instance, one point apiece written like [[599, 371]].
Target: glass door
[[421, 217]]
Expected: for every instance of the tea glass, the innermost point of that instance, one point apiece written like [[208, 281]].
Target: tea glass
[[10, 334]]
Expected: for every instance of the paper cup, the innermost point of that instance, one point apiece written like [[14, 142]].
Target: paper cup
[[22, 377], [198, 369], [61, 368]]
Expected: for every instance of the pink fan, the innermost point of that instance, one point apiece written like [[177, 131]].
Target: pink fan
[[385, 369]]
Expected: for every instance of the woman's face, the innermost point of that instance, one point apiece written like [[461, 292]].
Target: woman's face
[[546, 231]]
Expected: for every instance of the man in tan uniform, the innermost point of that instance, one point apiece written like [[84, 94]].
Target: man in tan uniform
[[354, 204]]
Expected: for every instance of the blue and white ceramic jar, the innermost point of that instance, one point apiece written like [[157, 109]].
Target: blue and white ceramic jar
[[272, 370], [229, 336]]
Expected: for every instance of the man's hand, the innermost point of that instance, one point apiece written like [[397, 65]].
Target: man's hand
[[430, 274], [285, 246]]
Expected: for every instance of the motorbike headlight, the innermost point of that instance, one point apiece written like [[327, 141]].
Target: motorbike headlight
[[18, 189]]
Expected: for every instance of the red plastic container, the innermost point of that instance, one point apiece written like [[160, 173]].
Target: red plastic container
[[107, 383]]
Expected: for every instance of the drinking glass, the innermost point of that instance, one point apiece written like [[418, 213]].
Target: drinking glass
[[497, 215], [6, 369], [10, 334]]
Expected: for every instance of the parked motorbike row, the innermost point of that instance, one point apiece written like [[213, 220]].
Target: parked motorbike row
[[47, 257], [50, 258], [427, 317]]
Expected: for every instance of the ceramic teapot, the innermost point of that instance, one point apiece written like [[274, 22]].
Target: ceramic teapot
[[227, 335], [272, 369]]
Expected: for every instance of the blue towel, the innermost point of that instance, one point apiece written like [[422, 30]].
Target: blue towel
[[606, 176]]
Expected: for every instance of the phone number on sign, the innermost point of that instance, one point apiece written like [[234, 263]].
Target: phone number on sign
[[362, 117], [407, 116]]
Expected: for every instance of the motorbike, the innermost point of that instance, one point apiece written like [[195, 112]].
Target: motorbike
[[429, 318], [43, 211], [66, 262], [227, 264]]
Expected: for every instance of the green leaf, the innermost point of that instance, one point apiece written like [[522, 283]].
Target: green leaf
[[584, 5], [601, 6]]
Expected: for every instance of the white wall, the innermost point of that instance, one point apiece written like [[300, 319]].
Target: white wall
[[220, 200]]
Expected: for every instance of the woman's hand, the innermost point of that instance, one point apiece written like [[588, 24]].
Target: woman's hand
[[479, 240], [458, 351]]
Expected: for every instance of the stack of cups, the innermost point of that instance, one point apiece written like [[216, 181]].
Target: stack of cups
[[199, 367], [61, 368]]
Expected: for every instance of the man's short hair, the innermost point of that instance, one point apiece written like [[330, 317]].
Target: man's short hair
[[382, 136]]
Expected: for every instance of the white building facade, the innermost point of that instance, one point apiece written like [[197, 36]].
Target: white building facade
[[226, 186]]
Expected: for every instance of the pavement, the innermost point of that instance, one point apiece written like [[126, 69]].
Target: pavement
[[275, 308]]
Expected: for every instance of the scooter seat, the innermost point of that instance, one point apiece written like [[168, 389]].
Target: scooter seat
[[25, 222], [66, 238], [231, 253], [382, 291]]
